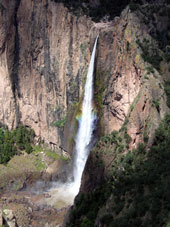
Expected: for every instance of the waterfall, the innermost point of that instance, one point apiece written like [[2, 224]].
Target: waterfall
[[64, 193], [86, 126]]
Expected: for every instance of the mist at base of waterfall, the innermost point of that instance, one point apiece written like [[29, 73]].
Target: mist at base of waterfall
[[63, 194], [59, 195]]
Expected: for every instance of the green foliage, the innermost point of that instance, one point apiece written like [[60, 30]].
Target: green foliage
[[145, 136], [11, 142], [167, 91], [156, 104], [124, 126], [86, 223], [88, 206], [150, 54], [127, 138], [137, 193], [38, 149], [28, 148], [110, 138], [52, 154], [39, 165], [146, 77], [150, 70], [60, 123], [162, 37], [135, 102], [83, 48], [99, 85], [99, 89]]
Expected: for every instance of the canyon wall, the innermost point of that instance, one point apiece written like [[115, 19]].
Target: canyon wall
[[44, 56], [130, 161], [131, 84]]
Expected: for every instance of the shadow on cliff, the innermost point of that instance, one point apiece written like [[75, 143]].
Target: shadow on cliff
[[137, 192], [96, 9]]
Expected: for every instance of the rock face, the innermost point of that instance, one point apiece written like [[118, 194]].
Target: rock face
[[9, 218], [130, 89], [43, 60], [131, 76], [44, 55]]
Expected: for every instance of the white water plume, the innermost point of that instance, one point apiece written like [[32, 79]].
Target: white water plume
[[86, 126], [63, 194]]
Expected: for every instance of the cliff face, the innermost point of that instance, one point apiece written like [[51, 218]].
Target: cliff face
[[44, 55], [132, 75], [132, 84], [44, 58], [133, 67]]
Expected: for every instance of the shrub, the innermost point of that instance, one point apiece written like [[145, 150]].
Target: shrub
[[60, 123], [150, 70], [14, 141], [150, 54], [138, 192], [156, 104]]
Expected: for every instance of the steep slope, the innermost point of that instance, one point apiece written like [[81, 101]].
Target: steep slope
[[128, 167], [44, 55], [44, 59]]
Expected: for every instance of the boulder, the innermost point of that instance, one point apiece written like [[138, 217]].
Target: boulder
[[9, 218]]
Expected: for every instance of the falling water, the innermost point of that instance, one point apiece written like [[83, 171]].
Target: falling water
[[63, 194], [86, 126]]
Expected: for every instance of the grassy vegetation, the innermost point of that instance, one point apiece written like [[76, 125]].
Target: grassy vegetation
[[156, 104], [59, 123], [99, 85], [137, 193], [52, 154], [83, 48], [12, 142], [16, 171], [40, 165], [134, 103]]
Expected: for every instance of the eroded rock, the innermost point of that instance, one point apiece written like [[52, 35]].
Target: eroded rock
[[9, 218]]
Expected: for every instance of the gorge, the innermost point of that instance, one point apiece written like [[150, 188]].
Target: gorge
[[45, 50]]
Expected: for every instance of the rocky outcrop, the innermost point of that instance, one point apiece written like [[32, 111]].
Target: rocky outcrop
[[132, 84], [9, 218]]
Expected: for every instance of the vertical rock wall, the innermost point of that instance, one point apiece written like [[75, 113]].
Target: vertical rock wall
[[43, 60], [44, 55]]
